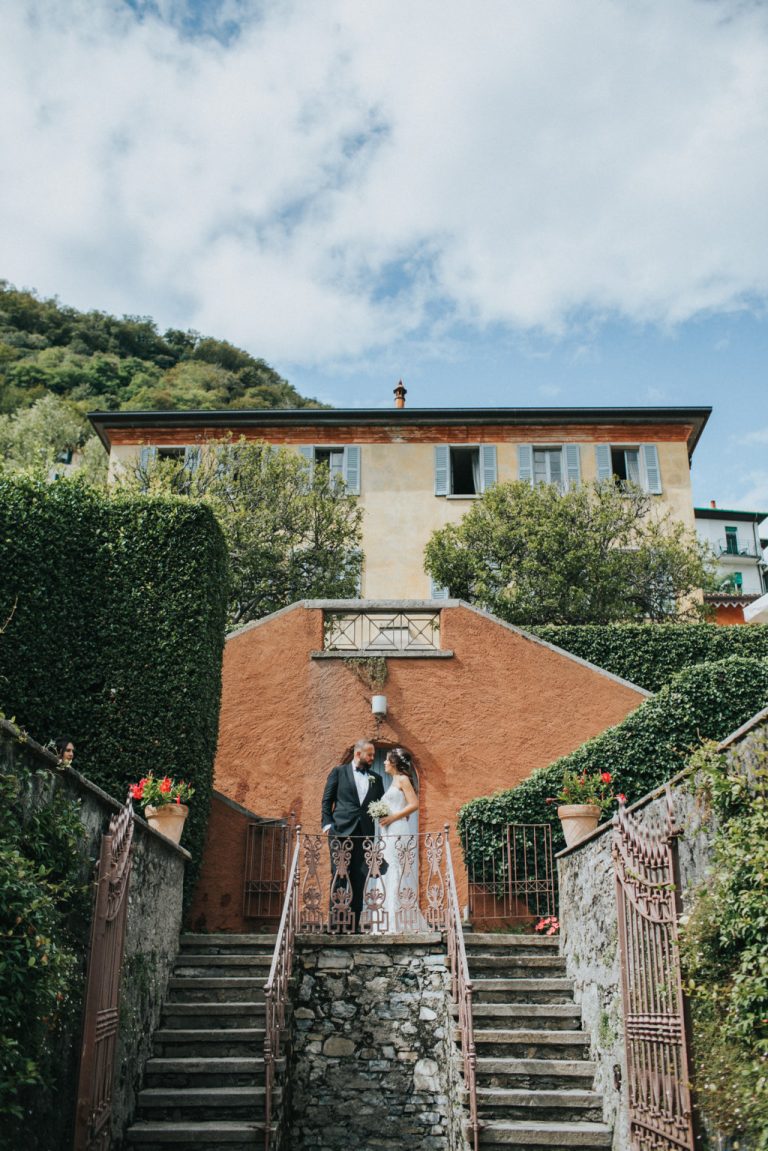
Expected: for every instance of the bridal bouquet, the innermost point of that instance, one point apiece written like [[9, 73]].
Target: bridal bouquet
[[379, 809]]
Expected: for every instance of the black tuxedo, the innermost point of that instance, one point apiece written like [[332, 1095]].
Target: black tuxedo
[[347, 816]]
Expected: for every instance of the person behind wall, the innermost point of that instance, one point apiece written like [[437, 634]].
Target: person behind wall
[[65, 750], [349, 789]]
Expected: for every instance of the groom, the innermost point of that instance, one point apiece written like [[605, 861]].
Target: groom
[[348, 791]]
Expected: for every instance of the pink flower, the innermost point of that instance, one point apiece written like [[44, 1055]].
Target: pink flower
[[621, 797]]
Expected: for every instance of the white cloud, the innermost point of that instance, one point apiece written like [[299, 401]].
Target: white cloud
[[336, 176]]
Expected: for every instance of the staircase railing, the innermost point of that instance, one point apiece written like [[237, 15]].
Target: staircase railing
[[276, 987], [461, 990]]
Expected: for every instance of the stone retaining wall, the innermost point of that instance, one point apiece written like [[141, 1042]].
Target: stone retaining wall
[[373, 1062], [152, 936]]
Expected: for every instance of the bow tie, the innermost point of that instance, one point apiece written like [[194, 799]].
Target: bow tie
[[362, 770]]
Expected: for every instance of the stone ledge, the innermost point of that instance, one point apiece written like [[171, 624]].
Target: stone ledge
[[378, 653]]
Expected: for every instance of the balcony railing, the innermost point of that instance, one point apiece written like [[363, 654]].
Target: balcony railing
[[382, 632], [737, 548]]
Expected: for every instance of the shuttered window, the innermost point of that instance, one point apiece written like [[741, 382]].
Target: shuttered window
[[636, 464], [464, 470], [559, 465], [340, 461]]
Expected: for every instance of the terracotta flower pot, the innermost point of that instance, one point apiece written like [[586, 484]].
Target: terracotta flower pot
[[578, 820], [168, 819]]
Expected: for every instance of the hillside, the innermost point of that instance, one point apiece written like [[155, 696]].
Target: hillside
[[94, 360]]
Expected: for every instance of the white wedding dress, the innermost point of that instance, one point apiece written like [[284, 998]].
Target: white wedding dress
[[401, 878]]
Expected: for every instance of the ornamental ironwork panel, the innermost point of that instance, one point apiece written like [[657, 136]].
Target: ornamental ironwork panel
[[102, 993], [645, 865], [404, 889], [382, 632]]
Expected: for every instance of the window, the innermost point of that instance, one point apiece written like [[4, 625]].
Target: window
[[631, 463], [558, 464], [188, 456], [464, 470], [732, 541], [340, 461]]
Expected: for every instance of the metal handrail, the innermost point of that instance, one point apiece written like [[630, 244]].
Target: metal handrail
[[461, 990], [276, 987]]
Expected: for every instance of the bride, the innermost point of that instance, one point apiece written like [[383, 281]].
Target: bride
[[399, 832]]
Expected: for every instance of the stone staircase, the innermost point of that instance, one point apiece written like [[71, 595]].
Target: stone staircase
[[534, 1077], [204, 1084]]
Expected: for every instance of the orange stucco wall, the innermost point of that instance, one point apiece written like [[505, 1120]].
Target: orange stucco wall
[[480, 721]]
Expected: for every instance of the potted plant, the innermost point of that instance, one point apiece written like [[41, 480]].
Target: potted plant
[[163, 803], [582, 799]]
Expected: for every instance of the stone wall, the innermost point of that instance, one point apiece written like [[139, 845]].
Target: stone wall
[[588, 918], [373, 1062], [152, 936]]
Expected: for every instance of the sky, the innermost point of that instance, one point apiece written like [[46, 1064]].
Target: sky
[[505, 203]]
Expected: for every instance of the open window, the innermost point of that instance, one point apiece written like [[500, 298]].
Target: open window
[[558, 464], [630, 463], [343, 462], [464, 470]]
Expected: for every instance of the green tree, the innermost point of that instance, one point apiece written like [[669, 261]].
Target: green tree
[[595, 553], [290, 534], [34, 438]]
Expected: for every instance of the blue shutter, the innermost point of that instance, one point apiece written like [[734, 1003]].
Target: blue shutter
[[652, 472], [572, 464], [525, 462], [487, 466], [603, 459], [192, 459], [352, 470], [437, 591], [308, 453], [147, 456], [442, 469]]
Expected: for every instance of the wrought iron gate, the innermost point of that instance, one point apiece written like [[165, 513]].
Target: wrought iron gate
[[512, 880], [102, 993], [266, 870], [645, 863]]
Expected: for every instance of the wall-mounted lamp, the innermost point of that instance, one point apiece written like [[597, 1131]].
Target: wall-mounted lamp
[[379, 706]]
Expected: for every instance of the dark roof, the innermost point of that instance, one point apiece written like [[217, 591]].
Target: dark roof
[[728, 514], [385, 417]]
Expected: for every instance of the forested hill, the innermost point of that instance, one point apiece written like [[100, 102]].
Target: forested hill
[[95, 360]]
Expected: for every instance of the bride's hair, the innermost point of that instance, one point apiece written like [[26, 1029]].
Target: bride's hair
[[403, 763]]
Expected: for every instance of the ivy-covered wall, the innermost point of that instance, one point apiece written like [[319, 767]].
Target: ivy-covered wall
[[650, 746], [650, 654], [115, 610], [53, 820]]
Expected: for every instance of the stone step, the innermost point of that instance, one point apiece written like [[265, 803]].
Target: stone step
[[197, 963], [179, 1016], [535, 1074], [503, 961], [540, 1106], [199, 1072], [216, 989], [226, 943], [535, 1043], [509, 941], [523, 990], [235, 1135], [180, 1103], [221, 1042], [518, 1135], [550, 1016]]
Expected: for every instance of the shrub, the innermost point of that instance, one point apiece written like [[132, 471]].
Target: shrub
[[117, 633], [724, 947], [648, 747], [649, 655]]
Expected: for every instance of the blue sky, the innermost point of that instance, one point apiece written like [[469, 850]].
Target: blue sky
[[504, 203]]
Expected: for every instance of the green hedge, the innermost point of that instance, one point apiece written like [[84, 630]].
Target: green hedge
[[650, 654], [651, 745], [117, 633]]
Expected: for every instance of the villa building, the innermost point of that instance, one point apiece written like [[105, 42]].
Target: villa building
[[417, 469]]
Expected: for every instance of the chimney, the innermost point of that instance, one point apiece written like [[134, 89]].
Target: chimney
[[713, 503], [400, 394]]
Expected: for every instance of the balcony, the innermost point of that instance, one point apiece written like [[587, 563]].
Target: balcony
[[737, 549], [382, 632]]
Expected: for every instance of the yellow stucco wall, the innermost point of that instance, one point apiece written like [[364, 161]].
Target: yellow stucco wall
[[401, 510]]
